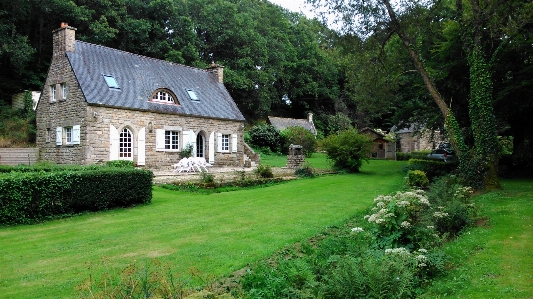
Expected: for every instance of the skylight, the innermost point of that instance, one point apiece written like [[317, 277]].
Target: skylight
[[111, 82], [192, 95]]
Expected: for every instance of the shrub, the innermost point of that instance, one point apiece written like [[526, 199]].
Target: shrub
[[455, 210], [417, 178], [305, 171], [265, 135], [347, 149], [432, 168], [264, 171], [120, 163], [35, 196], [206, 177], [300, 136], [399, 221], [187, 151]]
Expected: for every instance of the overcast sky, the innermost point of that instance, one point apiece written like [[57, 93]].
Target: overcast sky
[[294, 5]]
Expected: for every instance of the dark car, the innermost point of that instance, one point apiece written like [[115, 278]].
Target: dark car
[[446, 155]]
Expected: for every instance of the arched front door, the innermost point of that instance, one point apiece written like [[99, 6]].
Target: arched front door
[[200, 145]]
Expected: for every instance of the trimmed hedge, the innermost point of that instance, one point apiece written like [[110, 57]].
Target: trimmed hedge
[[432, 168], [29, 197]]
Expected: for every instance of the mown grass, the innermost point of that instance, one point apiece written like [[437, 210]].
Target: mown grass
[[216, 233], [317, 160], [495, 258]]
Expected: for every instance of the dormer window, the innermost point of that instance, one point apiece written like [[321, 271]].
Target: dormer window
[[111, 82], [164, 96]]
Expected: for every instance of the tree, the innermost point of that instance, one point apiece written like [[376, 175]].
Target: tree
[[381, 15], [299, 136]]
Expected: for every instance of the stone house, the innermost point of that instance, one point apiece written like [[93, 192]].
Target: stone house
[[417, 138], [282, 123], [101, 104], [381, 148]]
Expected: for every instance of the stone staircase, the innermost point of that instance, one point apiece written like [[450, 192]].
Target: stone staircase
[[251, 158]]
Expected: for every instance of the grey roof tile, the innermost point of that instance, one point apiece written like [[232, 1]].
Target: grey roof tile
[[282, 123], [139, 76]]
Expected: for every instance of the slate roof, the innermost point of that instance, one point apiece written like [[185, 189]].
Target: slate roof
[[139, 76], [282, 123]]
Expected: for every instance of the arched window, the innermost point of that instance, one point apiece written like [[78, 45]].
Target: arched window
[[126, 144], [164, 96]]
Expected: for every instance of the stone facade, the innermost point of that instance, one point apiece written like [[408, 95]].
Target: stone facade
[[72, 131]]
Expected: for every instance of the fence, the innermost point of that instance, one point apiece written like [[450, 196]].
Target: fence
[[16, 156]]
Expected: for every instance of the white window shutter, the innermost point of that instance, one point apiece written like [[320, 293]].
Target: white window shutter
[[185, 138], [233, 143], [59, 136], [159, 140], [113, 143], [141, 147], [212, 147], [192, 140], [219, 142], [76, 134]]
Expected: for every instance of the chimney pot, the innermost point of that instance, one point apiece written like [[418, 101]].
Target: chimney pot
[[64, 24]]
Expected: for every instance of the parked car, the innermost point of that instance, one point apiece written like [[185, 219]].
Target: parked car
[[446, 155]]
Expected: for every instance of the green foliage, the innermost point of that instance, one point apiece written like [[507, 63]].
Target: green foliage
[[305, 171], [206, 177], [299, 136], [432, 168], [35, 196], [187, 151], [401, 156], [17, 126], [151, 280], [347, 149], [120, 163], [417, 178], [264, 171], [266, 136]]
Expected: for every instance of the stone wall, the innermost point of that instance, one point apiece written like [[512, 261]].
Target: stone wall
[[98, 127]]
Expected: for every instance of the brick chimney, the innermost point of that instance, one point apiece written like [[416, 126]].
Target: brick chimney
[[217, 70], [310, 117], [64, 39]]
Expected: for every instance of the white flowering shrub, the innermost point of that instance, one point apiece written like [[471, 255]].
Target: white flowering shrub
[[398, 220]]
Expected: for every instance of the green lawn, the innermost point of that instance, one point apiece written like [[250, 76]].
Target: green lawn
[[495, 259], [317, 160], [216, 233]]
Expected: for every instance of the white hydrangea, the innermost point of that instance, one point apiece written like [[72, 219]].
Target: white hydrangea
[[357, 229]]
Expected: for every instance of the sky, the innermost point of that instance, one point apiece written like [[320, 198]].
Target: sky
[[295, 6]]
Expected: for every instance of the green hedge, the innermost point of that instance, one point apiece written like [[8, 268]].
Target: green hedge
[[432, 168], [401, 156], [28, 197]]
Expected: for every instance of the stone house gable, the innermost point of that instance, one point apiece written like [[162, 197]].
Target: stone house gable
[[101, 104]]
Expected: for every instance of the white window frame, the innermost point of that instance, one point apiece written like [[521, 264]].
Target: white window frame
[[68, 135], [225, 142], [162, 144], [125, 147], [64, 90], [172, 140], [53, 93], [163, 97]]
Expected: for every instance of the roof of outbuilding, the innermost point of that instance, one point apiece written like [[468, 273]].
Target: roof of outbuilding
[[282, 123], [139, 76]]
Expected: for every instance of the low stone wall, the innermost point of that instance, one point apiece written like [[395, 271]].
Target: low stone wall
[[16, 156]]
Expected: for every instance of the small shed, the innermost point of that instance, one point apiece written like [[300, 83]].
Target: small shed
[[381, 147]]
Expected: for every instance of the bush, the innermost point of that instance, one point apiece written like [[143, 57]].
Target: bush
[[417, 178], [264, 171], [299, 136], [120, 163], [306, 171], [347, 149], [265, 135], [401, 156], [35, 196], [187, 151], [432, 168]]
